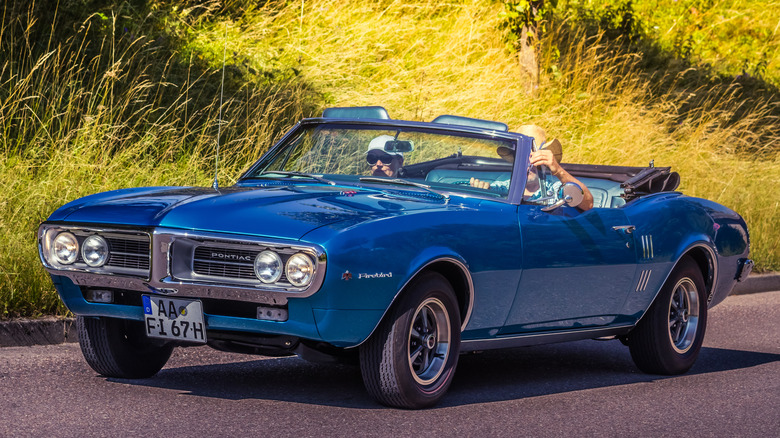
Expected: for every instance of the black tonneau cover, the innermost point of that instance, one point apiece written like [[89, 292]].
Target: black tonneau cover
[[635, 181]]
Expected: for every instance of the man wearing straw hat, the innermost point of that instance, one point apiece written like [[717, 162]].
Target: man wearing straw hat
[[548, 154]]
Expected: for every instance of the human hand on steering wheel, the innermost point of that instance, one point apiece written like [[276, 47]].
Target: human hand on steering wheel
[[473, 182]]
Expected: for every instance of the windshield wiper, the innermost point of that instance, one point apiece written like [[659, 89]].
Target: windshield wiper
[[301, 174], [402, 182]]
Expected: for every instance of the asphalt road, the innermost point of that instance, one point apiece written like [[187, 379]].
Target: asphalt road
[[586, 388]]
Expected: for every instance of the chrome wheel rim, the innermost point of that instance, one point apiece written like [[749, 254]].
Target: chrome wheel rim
[[683, 315], [429, 341]]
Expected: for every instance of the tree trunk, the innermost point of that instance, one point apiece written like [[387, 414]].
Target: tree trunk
[[527, 58]]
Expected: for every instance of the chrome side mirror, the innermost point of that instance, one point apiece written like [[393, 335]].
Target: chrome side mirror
[[570, 194]]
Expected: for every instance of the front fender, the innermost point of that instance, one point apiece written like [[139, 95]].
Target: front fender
[[363, 322], [384, 291], [370, 265]]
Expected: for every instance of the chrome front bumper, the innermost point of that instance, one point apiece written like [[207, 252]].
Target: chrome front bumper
[[163, 281]]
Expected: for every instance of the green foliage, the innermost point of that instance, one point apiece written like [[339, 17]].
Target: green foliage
[[735, 37], [532, 15], [616, 20], [730, 37]]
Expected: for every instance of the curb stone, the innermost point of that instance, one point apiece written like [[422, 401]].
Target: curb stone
[[51, 330], [44, 331], [758, 283]]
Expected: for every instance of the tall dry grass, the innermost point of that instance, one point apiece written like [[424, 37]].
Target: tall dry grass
[[93, 114], [86, 116]]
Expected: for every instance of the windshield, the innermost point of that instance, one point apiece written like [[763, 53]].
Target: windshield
[[329, 153]]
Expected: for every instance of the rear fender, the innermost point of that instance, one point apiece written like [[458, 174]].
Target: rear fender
[[702, 251]]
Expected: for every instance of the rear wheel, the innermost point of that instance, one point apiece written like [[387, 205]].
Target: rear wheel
[[669, 337], [119, 348], [410, 360]]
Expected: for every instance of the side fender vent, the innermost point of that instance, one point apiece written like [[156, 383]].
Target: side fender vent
[[647, 246], [644, 278]]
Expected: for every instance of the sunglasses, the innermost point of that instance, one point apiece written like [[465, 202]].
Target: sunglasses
[[374, 156]]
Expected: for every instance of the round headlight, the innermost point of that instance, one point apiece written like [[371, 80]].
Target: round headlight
[[65, 248], [268, 266], [300, 270], [94, 251]]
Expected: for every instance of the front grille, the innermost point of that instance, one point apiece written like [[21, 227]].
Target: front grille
[[129, 253], [121, 245], [231, 263], [222, 262]]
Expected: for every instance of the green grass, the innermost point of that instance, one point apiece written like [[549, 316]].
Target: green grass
[[733, 37], [133, 99]]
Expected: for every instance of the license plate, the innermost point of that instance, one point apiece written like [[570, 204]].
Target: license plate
[[170, 318]]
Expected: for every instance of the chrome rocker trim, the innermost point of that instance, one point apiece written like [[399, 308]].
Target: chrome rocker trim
[[525, 340]]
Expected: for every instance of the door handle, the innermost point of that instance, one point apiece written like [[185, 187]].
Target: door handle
[[627, 229]]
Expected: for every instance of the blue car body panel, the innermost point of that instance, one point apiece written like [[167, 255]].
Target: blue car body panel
[[583, 276], [521, 270]]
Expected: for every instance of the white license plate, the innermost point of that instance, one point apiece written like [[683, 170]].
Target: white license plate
[[171, 318]]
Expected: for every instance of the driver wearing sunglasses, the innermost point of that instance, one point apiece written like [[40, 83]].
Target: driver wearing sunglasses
[[383, 163]]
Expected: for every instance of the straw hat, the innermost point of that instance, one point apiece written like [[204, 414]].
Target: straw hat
[[540, 138]]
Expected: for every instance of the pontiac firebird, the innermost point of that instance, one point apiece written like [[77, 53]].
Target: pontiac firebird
[[310, 254]]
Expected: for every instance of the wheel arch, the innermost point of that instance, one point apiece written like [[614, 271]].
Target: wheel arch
[[705, 258], [455, 272]]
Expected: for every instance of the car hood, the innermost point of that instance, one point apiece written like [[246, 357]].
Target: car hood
[[288, 211]]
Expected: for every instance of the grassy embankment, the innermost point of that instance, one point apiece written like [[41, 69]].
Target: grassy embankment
[[109, 107]]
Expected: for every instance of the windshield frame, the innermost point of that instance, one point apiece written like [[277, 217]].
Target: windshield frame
[[518, 141]]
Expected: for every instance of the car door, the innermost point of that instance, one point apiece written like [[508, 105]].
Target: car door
[[578, 268]]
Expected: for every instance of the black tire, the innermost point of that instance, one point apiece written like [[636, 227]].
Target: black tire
[[119, 348], [410, 360], [669, 337]]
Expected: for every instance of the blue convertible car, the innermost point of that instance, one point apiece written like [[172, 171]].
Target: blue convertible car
[[359, 237]]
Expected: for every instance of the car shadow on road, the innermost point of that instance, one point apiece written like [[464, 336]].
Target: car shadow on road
[[560, 368], [480, 378]]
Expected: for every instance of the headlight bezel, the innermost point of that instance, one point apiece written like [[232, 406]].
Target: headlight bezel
[[134, 258]]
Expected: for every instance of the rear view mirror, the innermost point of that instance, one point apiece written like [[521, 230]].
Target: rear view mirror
[[399, 146]]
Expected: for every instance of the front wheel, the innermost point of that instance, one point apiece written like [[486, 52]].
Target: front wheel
[[668, 338], [119, 348], [410, 360]]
